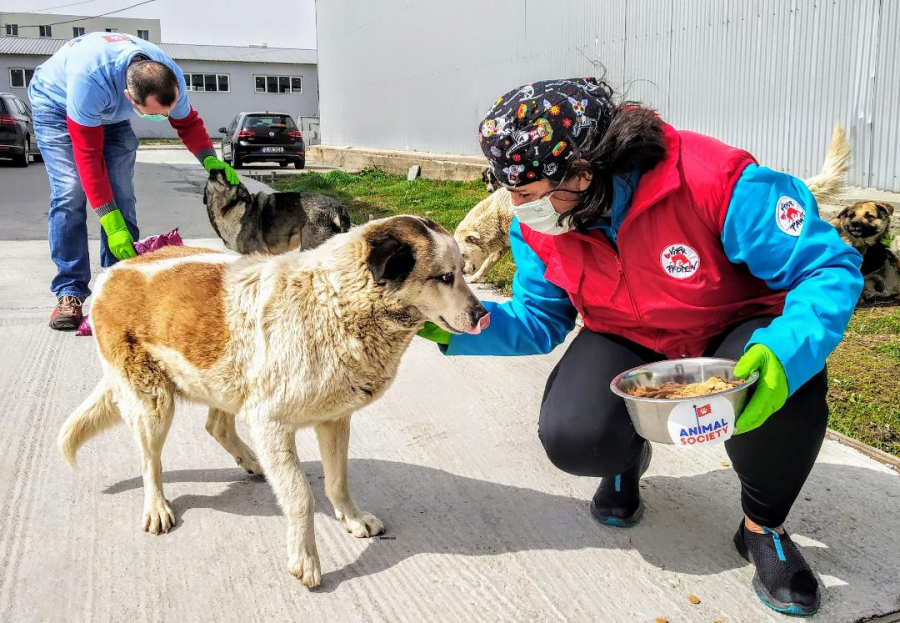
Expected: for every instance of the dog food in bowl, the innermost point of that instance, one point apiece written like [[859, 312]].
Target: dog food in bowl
[[671, 389]]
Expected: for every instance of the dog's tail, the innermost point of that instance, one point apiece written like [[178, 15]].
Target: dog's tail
[[95, 414], [829, 185]]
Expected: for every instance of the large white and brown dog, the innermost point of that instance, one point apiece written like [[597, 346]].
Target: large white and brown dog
[[282, 342]]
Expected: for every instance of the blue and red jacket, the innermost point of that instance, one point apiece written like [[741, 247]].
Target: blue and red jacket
[[85, 79], [704, 240]]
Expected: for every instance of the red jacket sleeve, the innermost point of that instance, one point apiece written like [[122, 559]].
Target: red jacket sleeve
[[87, 149], [193, 134]]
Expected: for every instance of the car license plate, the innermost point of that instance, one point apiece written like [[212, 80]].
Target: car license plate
[[273, 150]]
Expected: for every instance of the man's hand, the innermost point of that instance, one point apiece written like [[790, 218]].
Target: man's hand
[[434, 333], [211, 163], [771, 388], [118, 238]]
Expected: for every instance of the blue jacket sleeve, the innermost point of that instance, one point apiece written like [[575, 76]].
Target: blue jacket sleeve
[[773, 227], [534, 321]]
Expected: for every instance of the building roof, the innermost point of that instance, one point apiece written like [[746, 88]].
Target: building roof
[[34, 46]]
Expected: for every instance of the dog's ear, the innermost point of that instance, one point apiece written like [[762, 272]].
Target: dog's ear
[[473, 237], [884, 209], [390, 259]]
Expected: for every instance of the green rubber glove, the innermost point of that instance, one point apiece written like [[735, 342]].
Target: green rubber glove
[[211, 163], [434, 333], [118, 238], [771, 388]]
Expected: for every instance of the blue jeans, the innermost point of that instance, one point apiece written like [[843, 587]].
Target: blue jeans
[[67, 221]]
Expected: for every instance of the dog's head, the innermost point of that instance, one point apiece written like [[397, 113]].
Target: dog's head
[[220, 196], [417, 265], [325, 217], [490, 180], [866, 219], [473, 253]]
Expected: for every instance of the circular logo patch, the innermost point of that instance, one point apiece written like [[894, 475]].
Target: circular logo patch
[[701, 421], [679, 261], [790, 216]]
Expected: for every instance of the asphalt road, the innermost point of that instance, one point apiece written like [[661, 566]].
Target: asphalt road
[[168, 196]]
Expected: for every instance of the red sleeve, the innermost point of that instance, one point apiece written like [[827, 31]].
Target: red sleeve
[[193, 134], [87, 149]]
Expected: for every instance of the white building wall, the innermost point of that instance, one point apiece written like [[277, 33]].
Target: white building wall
[[770, 76]]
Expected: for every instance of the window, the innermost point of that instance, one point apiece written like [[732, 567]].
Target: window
[[112, 30], [23, 109], [278, 84], [20, 78], [207, 82], [12, 30], [45, 31], [144, 34], [77, 31]]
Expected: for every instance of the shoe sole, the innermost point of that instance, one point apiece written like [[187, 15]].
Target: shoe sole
[[632, 520], [616, 522], [64, 326], [763, 595]]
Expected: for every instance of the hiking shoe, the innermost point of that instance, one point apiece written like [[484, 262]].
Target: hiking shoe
[[618, 499], [783, 579], [67, 315]]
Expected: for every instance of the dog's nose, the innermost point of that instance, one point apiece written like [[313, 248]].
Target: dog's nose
[[477, 312]]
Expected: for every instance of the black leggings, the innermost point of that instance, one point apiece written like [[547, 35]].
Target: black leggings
[[586, 430]]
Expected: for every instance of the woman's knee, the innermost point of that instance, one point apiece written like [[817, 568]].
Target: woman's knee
[[599, 444]]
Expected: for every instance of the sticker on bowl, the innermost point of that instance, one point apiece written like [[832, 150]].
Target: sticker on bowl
[[703, 421]]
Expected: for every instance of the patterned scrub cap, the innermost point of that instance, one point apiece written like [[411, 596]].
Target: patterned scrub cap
[[531, 131]]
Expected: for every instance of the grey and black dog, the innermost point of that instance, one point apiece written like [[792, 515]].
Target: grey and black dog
[[270, 222]]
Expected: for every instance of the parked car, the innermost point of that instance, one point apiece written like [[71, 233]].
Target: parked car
[[17, 139], [263, 137]]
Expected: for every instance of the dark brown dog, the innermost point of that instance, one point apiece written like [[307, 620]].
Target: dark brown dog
[[863, 224]]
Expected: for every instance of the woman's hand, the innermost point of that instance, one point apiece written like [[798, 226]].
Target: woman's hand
[[771, 388]]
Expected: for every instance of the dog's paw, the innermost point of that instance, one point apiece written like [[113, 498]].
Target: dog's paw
[[305, 567], [362, 526], [249, 463], [158, 517]]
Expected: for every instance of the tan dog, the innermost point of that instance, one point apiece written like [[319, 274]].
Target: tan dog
[[483, 235], [863, 224], [282, 342]]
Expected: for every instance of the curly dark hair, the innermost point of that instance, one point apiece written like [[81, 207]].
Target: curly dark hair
[[632, 140]]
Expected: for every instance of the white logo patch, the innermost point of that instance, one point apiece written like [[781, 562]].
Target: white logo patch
[[701, 421], [790, 216], [679, 261]]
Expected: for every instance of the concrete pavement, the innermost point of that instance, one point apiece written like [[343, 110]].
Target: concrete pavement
[[480, 525]]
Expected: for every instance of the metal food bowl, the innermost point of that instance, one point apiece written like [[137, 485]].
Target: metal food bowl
[[651, 415]]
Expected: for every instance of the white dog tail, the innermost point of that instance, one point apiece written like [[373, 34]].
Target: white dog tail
[[95, 414], [828, 186]]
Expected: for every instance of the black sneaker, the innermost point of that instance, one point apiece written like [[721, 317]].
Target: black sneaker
[[783, 579], [618, 499]]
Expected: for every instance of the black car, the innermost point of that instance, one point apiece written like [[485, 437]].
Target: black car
[[263, 137], [17, 139]]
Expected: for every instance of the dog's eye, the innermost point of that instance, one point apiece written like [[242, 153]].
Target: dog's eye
[[447, 278], [869, 217]]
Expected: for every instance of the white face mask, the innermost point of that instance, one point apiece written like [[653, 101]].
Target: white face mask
[[540, 216]]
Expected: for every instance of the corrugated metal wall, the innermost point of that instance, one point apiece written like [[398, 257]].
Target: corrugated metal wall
[[771, 76]]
